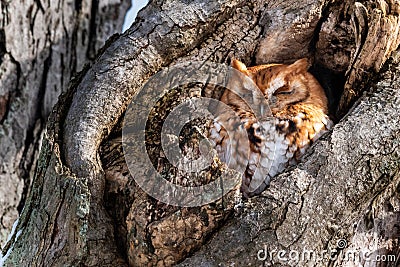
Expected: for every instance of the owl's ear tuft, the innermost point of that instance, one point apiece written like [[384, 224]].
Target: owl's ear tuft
[[240, 66], [300, 65]]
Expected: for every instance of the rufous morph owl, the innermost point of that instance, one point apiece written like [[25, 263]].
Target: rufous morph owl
[[282, 108]]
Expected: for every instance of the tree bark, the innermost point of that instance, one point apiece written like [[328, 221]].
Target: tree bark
[[86, 209], [42, 44]]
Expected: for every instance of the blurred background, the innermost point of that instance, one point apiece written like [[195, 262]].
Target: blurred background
[[132, 12]]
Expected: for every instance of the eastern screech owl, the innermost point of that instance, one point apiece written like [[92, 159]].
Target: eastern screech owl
[[296, 117]]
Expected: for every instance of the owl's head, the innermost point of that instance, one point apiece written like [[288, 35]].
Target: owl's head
[[286, 85]]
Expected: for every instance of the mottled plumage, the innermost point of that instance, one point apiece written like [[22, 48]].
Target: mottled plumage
[[277, 133]]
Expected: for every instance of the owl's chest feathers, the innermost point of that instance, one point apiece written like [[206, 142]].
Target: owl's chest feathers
[[302, 124], [275, 142], [280, 142]]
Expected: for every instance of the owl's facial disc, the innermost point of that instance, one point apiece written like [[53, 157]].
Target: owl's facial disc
[[289, 93]]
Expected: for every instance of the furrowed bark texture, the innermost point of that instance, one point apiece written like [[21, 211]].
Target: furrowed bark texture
[[42, 43], [85, 208]]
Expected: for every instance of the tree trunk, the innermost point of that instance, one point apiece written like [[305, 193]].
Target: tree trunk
[[42, 44], [86, 209]]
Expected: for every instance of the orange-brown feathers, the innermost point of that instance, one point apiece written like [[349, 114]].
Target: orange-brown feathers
[[285, 85]]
